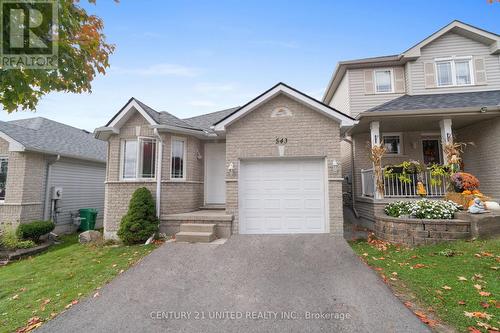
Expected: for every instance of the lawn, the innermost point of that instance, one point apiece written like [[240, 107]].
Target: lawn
[[458, 283], [44, 285]]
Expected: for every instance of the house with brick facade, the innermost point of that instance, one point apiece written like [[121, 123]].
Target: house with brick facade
[[444, 89], [271, 166], [48, 171]]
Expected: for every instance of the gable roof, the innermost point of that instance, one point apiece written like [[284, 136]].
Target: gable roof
[[282, 88], [458, 27], [476, 99], [47, 136]]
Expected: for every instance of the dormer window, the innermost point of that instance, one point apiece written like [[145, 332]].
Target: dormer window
[[456, 71], [383, 81]]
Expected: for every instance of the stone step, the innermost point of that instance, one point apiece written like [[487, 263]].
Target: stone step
[[197, 227], [194, 237], [213, 207]]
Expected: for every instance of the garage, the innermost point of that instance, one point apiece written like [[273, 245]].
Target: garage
[[282, 196]]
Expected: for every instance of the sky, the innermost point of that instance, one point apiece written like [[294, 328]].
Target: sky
[[195, 57]]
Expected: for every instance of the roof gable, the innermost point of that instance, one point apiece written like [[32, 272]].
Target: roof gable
[[298, 96], [133, 105]]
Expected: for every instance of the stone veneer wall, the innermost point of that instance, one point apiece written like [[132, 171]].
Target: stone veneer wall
[[176, 196], [25, 186], [309, 134], [420, 231]]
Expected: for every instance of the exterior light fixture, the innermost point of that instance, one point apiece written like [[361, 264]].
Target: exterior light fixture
[[335, 166], [230, 168]]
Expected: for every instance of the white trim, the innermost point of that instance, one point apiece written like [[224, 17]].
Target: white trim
[[452, 60], [401, 142], [124, 114], [281, 88], [184, 158], [391, 71], [13, 144]]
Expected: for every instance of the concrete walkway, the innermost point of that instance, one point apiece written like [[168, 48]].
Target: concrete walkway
[[302, 283]]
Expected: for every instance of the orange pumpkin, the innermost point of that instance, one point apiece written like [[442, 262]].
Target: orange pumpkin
[[466, 192]]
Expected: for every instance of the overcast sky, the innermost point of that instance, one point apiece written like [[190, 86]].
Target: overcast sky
[[194, 57]]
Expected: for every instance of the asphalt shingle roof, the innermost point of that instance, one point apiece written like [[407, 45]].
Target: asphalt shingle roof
[[41, 134], [441, 101], [205, 121]]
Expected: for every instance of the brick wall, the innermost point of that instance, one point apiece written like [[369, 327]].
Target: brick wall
[[176, 196], [309, 134], [483, 158]]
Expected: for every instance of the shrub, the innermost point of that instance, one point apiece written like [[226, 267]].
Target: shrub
[[422, 209], [10, 240], [140, 222], [463, 181], [34, 230]]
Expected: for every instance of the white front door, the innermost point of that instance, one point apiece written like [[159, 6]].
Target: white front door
[[215, 173], [282, 197]]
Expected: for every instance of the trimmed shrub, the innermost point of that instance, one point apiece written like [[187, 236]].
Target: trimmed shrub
[[34, 230], [10, 240], [140, 222]]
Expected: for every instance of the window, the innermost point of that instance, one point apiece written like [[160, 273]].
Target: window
[[139, 158], [392, 143], [383, 81], [3, 176], [454, 72], [178, 158]]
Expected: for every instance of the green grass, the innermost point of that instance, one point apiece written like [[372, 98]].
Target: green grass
[[66, 272], [426, 284]]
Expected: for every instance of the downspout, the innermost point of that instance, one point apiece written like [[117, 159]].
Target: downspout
[[352, 178], [158, 172], [47, 188]]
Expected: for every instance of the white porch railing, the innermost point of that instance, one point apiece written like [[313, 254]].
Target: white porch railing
[[395, 188]]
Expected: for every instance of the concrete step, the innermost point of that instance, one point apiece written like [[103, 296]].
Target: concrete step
[[194, 237], [197, 227], [213, 207]]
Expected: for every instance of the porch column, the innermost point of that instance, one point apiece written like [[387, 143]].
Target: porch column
[[446, 135], [375, 141]]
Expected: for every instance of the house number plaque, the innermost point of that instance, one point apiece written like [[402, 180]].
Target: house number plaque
[[281, 140]]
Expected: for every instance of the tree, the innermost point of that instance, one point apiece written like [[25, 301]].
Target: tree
[[140, 222], [82, 54]]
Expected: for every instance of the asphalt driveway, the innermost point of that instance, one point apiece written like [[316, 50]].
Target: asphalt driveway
[[303, 283]]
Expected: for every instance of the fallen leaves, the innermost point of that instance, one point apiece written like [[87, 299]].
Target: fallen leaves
[[446, 287], [32, 324], [16, 296], [418, 266], [96, 295], [423, 317], [478, 286], [477, 314], [74, 302], [484, 293], [462, 278], [461, 302], [377, 243], [485, 305]]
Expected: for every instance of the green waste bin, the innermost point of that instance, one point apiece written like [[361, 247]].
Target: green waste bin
[[87, 218]]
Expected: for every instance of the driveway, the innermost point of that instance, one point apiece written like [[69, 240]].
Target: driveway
[[292, 283]]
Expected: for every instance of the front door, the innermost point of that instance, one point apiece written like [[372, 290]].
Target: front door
[[215, 173], [432, 151]]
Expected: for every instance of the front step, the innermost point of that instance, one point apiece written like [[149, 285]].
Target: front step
[[213, 207], [194, 237], [196, 233]]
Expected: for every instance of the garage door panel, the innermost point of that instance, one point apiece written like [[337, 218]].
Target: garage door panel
[[285, 196]]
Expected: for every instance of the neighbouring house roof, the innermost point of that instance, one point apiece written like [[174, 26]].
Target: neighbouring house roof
[[441, 101], [458, 27], [48, 136]]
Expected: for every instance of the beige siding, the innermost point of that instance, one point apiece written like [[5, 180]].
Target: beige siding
[[482, 159], [359, 100], [452, 44], [309, 134], [341, 98]]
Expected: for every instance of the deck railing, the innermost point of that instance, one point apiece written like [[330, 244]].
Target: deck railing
[[395, 188]]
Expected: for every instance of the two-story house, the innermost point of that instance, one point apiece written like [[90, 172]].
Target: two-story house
[[446, 87]]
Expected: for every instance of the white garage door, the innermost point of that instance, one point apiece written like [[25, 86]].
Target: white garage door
[[282, 197]]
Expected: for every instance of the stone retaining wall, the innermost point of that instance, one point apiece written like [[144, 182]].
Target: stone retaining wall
[[419, 231]]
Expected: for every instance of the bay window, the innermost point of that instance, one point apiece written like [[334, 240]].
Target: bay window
[[139, 158], [454, 71], [178, 159]]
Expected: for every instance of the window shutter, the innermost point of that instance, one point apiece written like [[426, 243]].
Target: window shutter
[[430, 75], [399, 80], [479, 71], [369, 88]]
